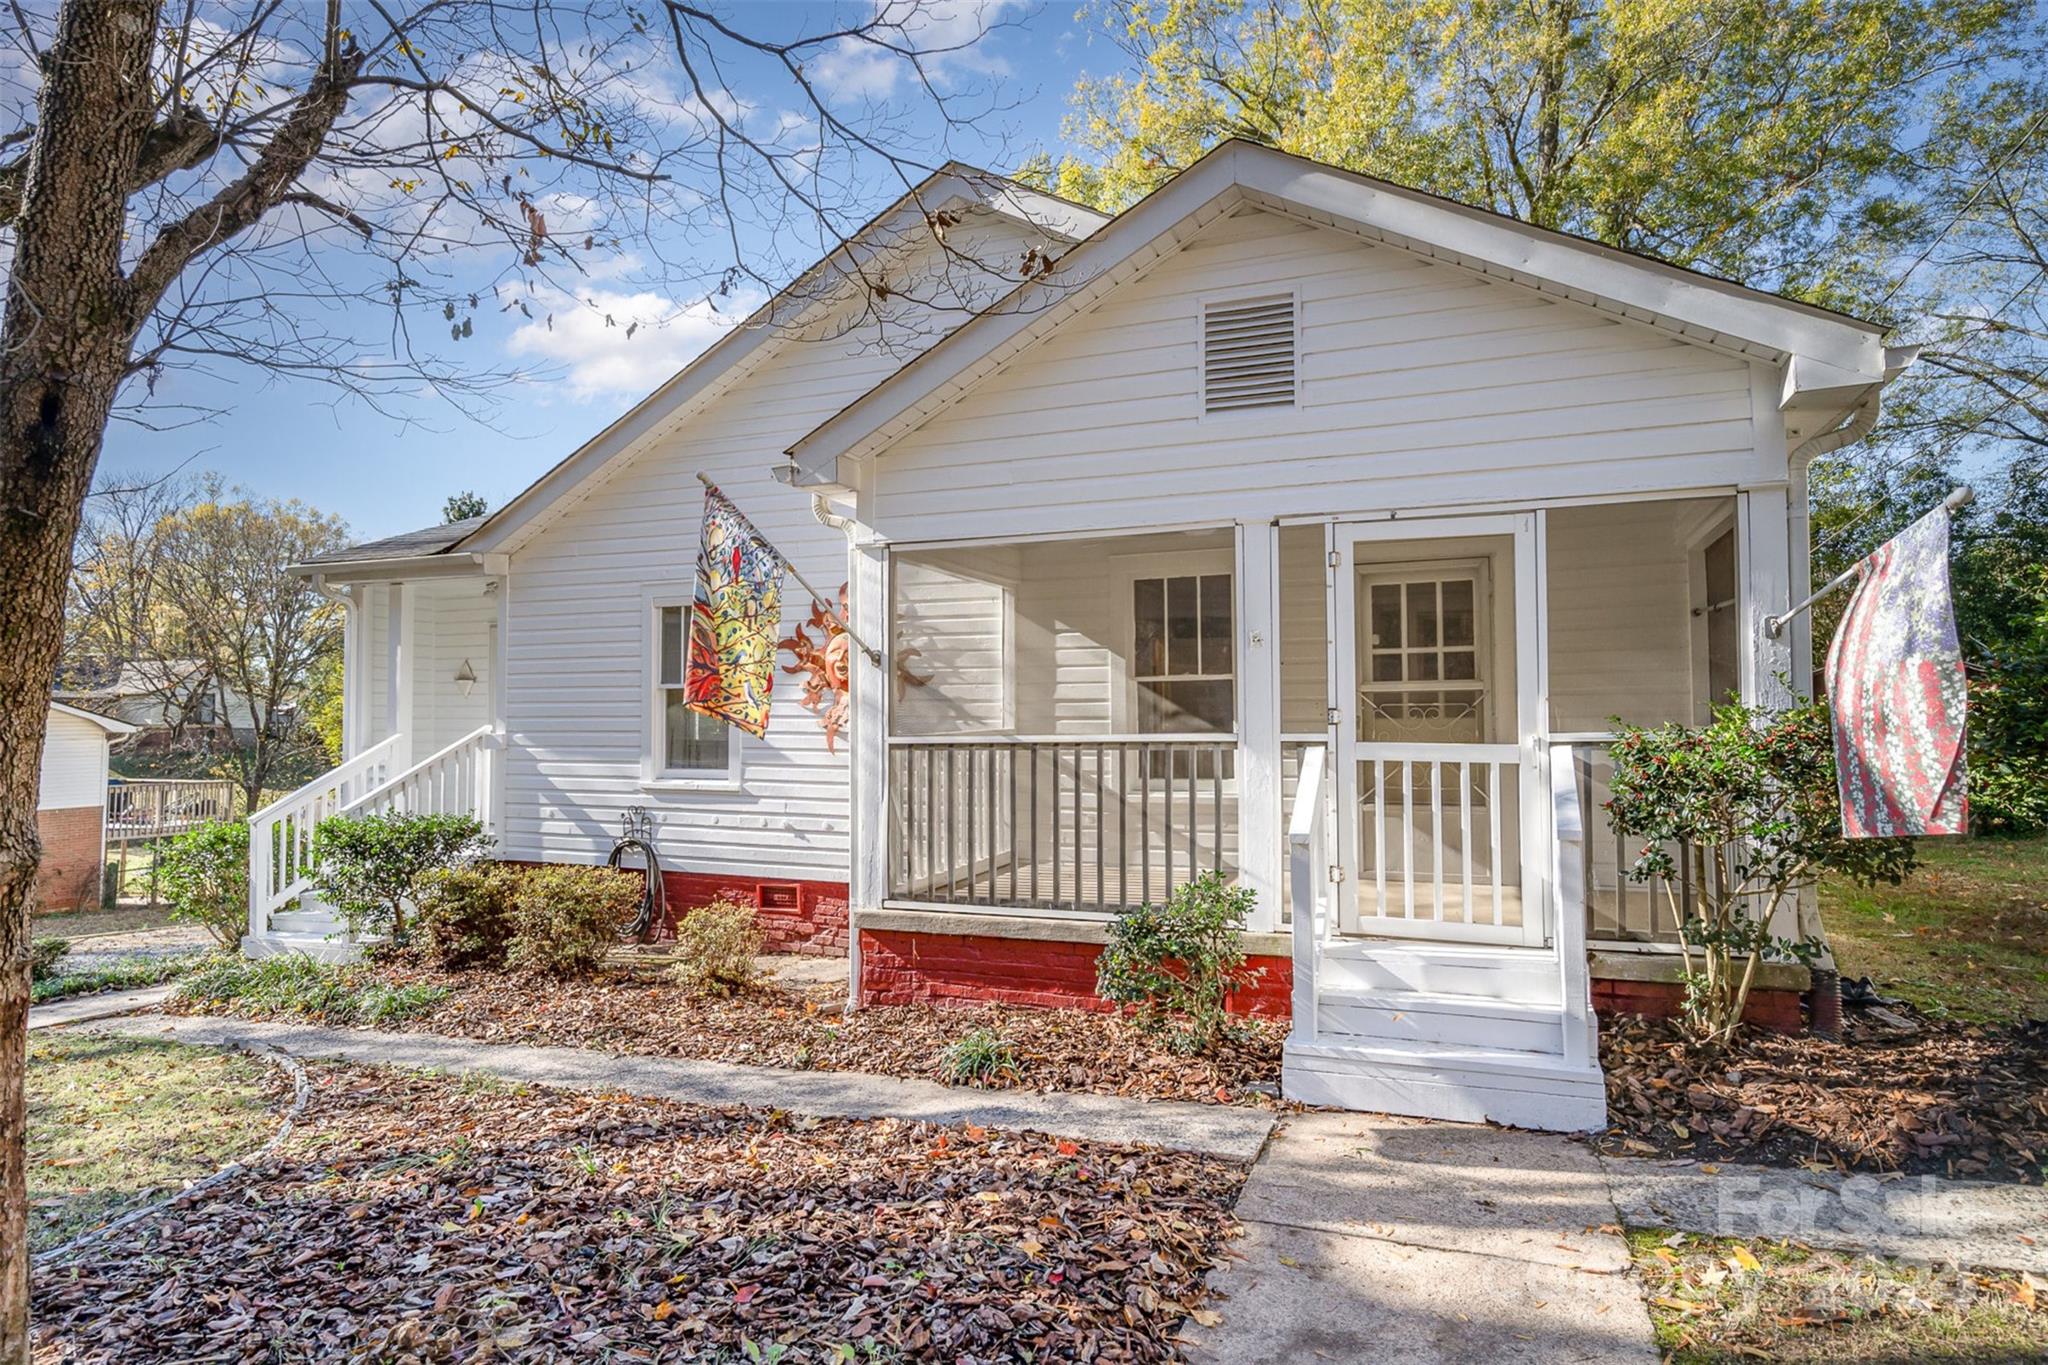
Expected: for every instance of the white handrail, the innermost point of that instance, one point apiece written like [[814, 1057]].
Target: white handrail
[[1568, 881], [281, 854], [455, 780], [452, 780], [1305, 863]]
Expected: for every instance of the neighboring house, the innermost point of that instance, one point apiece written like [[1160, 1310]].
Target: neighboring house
[[157, 695], [1297, 526], [71, 803]]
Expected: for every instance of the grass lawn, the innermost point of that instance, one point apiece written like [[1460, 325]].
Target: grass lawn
[[1722, 1299], [116, 1122], [1966, 937]]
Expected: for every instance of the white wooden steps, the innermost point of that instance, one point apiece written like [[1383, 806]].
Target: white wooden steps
[[1446, 1031]]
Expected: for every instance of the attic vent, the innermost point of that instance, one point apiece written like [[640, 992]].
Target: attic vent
[[1248, 354]]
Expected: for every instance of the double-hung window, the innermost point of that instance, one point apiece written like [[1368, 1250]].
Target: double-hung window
[[685, 745], [1183, 663]]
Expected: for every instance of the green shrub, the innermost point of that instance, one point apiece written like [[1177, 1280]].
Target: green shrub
[[465, 914], [1176, 965], [43, 956], [565, 919], [204, 874], [295, 984], [1754, 793], [2008, 754], [716, 946], [979, 1057], [372, 865]]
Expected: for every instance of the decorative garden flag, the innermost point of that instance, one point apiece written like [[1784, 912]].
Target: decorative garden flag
[[1895, 678], [733, 620]]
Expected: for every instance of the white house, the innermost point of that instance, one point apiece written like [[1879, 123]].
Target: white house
[[71, 802], [1292, 525]]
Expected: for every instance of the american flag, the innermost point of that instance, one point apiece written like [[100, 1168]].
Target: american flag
[[1895, 679]]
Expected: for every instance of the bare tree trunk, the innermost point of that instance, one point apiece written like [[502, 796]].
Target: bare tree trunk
[[63, 345]]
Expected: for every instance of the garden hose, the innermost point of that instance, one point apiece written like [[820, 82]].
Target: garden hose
[[653, 900]]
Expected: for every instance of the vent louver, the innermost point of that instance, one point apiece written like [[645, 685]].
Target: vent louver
[[1248, 354]]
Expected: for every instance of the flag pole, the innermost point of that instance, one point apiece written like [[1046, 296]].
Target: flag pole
[[874, 655], [1774, 626]]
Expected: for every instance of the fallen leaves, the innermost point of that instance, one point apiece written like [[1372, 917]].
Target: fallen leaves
[[415, 1217], [1945, 1098], [806, 1028]]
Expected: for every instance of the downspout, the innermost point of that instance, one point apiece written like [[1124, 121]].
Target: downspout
[[1862, 418], [822, 510]]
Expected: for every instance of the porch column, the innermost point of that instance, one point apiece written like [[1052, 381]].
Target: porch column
[[1259, 831], [1763, 519], [867, 563]]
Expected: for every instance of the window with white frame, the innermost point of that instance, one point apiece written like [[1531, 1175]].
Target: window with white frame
[[687, 744], [1182, 654]]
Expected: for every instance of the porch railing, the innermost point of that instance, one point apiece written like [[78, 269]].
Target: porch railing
[[1308, 884], [150, 808], [283, 850], [1619, 910], [1058, 823]]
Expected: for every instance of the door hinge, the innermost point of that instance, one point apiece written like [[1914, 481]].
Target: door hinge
[[1333, 716], [1336, 559], [1336, 873]]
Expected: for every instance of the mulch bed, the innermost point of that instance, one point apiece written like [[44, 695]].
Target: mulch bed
[[808, 1028], [1913, 1095], [426, 1218]]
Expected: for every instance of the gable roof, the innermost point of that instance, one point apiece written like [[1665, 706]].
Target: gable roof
[[114, 728], [823, 285], [1829, 356]]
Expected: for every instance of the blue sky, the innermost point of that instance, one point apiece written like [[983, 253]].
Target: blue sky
[[284, 438]]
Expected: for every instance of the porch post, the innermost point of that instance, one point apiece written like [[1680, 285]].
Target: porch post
[[867, 795], [1259, 832], [1763, 517]]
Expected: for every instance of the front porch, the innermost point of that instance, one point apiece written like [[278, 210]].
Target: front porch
[[1391, 730]]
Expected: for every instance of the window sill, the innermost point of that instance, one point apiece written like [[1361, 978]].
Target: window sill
[[707, 783]]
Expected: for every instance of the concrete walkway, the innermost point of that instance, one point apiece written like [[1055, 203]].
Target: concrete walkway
[[1914, 1218], [1215, 1130], [80, 1008], [1394, 1240]]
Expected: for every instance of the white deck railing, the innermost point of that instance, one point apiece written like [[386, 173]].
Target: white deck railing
[[1308, 877], [152, 807], [283, 850]]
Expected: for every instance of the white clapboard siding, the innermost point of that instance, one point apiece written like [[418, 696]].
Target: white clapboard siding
[[1620, 615], [575, 689], [1420, 385], [74, 770], [452, 621], [954, 611], [1304, 632]]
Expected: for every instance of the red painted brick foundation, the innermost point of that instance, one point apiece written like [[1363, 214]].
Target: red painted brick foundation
[[68, 877], [796, 916], [1777, 1011], [898, 968]]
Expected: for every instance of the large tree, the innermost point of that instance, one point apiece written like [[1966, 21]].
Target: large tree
[[345, 198]]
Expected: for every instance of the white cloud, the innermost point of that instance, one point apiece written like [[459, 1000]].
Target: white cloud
[[587, 337], [950, 31]]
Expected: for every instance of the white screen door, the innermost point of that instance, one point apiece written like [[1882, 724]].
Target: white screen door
[[1435, 680]]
